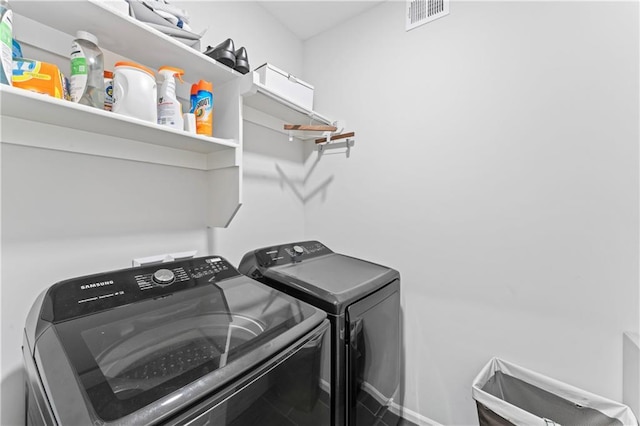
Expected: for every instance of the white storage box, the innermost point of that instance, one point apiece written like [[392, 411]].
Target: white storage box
[[286, 85]]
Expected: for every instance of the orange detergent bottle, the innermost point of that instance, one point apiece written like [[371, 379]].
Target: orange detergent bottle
[[203, 108]]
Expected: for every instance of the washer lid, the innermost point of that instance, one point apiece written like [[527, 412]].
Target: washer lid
[[133, 358], [332, 281]]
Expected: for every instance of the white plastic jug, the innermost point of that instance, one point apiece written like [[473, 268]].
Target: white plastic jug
[[135, 91]]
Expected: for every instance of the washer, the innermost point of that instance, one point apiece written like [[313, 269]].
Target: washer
[[362, 301], [187, 342]]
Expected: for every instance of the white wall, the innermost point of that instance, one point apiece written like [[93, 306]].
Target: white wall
[[272, 211], [66, 215], [249, 25], [496, 167]]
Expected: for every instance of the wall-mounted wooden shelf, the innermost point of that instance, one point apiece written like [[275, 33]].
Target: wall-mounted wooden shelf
[[310, 128], [336, 137]]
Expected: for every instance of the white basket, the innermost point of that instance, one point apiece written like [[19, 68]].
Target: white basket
[[520, 417]]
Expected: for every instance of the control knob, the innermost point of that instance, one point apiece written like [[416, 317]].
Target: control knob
[[298, 250], [163, 277]]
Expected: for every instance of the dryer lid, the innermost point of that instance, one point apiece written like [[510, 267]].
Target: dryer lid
[[333, 281]]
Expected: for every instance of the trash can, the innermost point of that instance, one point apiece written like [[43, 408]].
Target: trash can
[[507, 394]]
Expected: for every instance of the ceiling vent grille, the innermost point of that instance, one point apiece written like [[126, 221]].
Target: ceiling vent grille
[[419, 12]]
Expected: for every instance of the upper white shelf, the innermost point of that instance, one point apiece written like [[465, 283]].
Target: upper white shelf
[[125, 36], [265, 100], [272, 110], [34, 107]]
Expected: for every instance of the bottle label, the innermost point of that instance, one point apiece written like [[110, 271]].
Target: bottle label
[[204, 105], [203, 111], [169, 113], [79, 72], [108, 94], [6, 40]]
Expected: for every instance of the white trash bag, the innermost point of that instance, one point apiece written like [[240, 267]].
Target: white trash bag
[[507, 394]]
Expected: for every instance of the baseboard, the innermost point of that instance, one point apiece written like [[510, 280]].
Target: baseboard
[[399, 410], [412, 416], [631, 372]]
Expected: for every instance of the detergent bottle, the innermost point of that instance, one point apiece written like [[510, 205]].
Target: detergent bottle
[[134, 91], [6, 37], [169, 108], [203, 108], [108, 90], [192, 97]]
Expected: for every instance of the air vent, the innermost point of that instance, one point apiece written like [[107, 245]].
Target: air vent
[[420, 12]]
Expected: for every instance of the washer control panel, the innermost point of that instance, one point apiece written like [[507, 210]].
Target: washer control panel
[[164, 277], [86, 295], [290, 253]]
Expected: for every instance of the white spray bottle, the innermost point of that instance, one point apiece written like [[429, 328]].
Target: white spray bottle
[[169, 108]]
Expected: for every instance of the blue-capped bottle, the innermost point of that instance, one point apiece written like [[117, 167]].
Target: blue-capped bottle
[[6, 42]]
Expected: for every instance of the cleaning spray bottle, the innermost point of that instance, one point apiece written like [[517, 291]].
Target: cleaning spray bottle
[[169, 108]]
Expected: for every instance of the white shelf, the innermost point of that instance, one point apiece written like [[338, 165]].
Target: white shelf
[[35, 107], [265, 100], [20, 103], [35, 120], [271, 110], [125, 36]]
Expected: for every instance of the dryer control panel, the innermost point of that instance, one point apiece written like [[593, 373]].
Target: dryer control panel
[[94, 293], [290, 253]]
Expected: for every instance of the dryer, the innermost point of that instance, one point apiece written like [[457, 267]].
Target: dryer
[[362, 301], [187, 342]]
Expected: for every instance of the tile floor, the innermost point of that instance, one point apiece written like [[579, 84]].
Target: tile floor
[[270, 410], [369, 413]]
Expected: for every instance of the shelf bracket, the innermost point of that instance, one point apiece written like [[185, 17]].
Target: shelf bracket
[[325, 144]]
